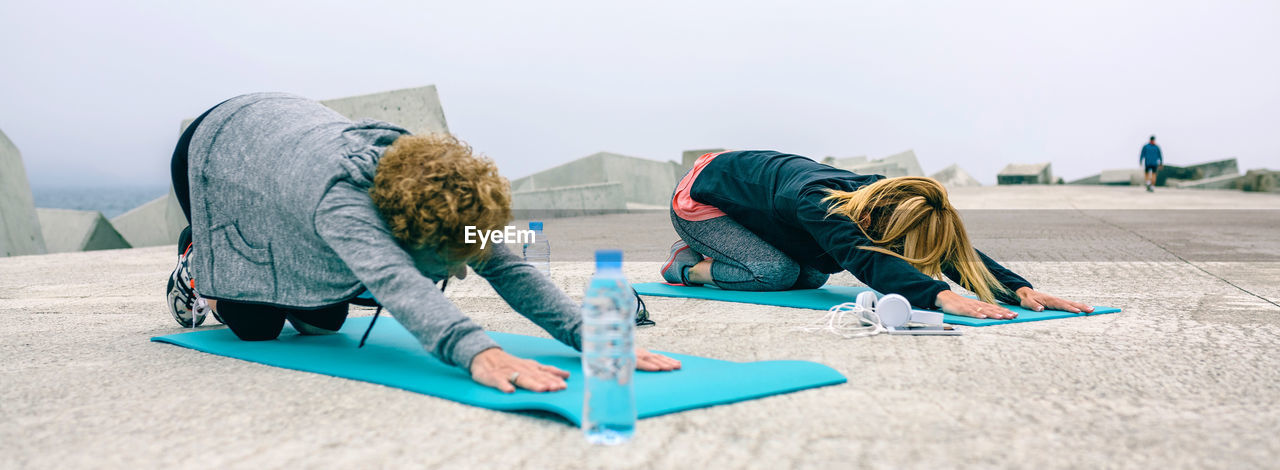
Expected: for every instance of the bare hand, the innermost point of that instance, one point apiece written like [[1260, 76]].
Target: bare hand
[[1038, 301], [497, 369], [653, 362], [956, 304]]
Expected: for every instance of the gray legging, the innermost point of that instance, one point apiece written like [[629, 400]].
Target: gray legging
[[742, 260]]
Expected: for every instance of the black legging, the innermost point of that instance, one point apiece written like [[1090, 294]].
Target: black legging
[[249, 321]]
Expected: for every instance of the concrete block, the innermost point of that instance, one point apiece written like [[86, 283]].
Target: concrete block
[[955, 177], [1091, 179], [689, 156], [1226, 166], [570, 201], [415, 109], [67, 230], [907, 160], [1019, 173], [19, 225], [1120, 177], [643, 181], [1177, 173], [155, 223], [1216, 182], [898, 164], [1136, 179], [1261, 180], [846, 161]]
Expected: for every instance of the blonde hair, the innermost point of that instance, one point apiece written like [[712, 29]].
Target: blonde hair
[[911, 219], [429, 188]]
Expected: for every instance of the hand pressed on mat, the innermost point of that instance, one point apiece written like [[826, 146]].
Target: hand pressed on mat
[[956, 304], [654, 362], [497, 369], [1038, 301]]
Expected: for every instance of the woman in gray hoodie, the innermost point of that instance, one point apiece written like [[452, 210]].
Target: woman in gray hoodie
[[295, 211]]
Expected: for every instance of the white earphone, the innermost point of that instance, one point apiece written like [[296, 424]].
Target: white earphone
[[872, 316]]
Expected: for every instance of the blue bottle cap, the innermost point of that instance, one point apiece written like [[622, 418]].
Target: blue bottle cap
[[535, 225], [608, 259]]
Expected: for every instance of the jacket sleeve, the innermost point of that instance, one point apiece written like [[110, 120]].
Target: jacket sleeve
[[841, 239], [347, 220], [1009, 279], [531, 294]]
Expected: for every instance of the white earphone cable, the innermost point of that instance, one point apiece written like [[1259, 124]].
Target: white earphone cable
[[848, 320]]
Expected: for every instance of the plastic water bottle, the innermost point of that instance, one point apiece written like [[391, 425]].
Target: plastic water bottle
[[608, 353], [538, 253]]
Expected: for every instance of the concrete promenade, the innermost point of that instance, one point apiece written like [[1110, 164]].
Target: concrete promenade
[[1187, 377]]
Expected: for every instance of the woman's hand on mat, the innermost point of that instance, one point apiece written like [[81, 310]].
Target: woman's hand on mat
[[653, 362], [497, 369], [956, 304], [1038, 301]]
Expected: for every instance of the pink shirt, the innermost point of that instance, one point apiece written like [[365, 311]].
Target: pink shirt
[[683, 204]]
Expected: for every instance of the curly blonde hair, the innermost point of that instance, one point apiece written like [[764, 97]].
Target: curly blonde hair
[[429, 188]]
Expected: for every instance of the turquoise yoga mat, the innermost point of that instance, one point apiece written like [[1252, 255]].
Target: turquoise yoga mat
[[827, 296], [393, 357]]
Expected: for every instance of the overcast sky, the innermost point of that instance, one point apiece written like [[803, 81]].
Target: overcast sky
[[93, 93]]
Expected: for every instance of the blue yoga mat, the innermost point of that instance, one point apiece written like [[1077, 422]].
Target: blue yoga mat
[[393, 357], [827, 296]]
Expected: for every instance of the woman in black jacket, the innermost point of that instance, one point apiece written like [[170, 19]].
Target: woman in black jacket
[[766, 221]]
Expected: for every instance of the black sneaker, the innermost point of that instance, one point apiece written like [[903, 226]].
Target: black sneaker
[[186, 306]]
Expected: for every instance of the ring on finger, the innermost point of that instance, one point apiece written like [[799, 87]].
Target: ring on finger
[[513, 377]]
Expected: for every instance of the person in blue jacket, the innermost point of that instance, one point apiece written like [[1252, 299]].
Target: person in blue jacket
[[1151, 161], [769, 221]]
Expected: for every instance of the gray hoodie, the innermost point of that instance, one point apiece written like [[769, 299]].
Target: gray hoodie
[[281, 215]]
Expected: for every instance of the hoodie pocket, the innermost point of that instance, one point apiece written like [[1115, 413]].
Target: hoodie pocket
[[241, 270]]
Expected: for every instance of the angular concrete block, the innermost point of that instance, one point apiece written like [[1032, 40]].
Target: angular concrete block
[[898, 164], [1137, 179], [19, 225], [643, 181], [570, 201], [1121, 177], [67, 230], [415, 109], [1261, 180], [1177, 173], [155, 223], [907, 160], [1023, 173], [1091, 179], [845, 161], [1211, 169], [1217, 182], [955, 177], [687, 157]]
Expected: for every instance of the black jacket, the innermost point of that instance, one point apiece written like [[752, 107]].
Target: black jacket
[[778, 197]]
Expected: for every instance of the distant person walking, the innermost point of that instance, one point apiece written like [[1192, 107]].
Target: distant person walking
[[1152, 160]]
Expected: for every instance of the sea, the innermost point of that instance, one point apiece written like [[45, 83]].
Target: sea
[[110, 201]]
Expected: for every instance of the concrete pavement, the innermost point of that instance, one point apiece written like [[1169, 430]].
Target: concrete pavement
[[1186, 377]]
